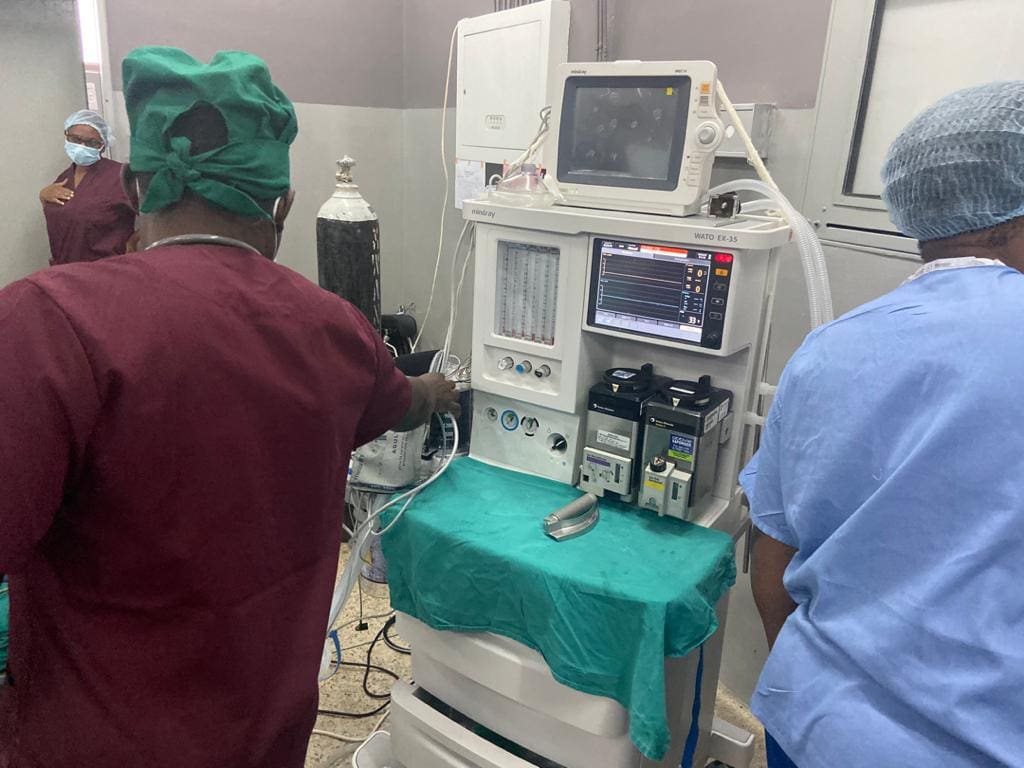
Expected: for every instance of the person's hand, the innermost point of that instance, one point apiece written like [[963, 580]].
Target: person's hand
[[431, 393], [56, 193], [443, 395]]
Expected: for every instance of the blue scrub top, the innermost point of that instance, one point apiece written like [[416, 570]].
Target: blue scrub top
[[893, 461]]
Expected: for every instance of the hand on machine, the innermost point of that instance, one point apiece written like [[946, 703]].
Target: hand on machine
[[431, 393], [440, 392]]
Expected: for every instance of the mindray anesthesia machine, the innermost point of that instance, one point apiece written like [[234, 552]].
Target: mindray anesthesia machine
[[589, 313], [619, 342]]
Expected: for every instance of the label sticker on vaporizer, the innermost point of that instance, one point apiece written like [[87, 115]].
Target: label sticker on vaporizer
[[720, 413], [710, 421], [613, 440], [681, 447]]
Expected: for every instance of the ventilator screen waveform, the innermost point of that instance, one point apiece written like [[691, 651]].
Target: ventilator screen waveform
[[652, 289]]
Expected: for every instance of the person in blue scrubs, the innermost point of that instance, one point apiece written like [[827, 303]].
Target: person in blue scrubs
[[888, 490]]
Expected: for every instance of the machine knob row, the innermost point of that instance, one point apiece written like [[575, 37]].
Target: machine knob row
[[524, 367]]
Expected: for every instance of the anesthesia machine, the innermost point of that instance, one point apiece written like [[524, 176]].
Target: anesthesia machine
[[564, 588], [619, 343], [617, 332]]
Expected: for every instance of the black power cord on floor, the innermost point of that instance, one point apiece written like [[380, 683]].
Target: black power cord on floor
[[390, 643], [362, 626], [368, 666]]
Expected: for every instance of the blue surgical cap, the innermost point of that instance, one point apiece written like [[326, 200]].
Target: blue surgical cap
[[959, 166], [93, 120]]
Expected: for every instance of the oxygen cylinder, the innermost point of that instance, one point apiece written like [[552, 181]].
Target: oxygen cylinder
[[348, 245]]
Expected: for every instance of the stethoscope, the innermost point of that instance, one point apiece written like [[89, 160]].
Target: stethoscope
[[197, 239]]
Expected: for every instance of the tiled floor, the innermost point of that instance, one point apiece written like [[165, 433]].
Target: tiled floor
[[344, 691]]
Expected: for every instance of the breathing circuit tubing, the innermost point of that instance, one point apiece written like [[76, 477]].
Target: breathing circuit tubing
[[812, 258]]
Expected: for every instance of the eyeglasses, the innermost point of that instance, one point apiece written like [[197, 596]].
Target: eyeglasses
[[91, 143]]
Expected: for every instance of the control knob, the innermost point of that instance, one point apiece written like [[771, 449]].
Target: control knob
[[707, 135]]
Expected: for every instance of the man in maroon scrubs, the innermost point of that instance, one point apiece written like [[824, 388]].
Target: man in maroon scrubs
[[88, 215], [175, 429]]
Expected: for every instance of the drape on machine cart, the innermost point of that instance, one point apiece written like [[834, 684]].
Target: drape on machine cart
[[604, 609]]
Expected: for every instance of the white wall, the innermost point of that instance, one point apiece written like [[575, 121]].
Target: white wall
[[42, 82], [374, 138]]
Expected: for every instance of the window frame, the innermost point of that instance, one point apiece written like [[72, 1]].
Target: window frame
[[842, 218]]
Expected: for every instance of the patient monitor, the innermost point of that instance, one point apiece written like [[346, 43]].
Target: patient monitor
[[636, 136]]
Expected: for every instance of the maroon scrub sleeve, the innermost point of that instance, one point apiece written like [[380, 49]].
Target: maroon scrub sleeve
[[48, 404], [392, 393]]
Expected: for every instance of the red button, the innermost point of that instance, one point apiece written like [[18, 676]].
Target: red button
[[723, 258]]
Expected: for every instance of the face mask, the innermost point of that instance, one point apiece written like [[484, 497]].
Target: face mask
[[81, 154]]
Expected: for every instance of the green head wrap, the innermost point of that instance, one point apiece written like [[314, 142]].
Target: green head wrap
[[161, 84]]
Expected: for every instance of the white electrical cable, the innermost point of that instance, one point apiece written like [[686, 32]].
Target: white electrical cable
[[350, 739], [363, 532], [447, 185], [356, 647], [441, 361], [341, 736], [462, 279], [455, 291], [752, 154], [534, 146], [408, 496]]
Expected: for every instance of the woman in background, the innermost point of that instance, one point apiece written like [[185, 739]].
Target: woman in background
[[88, 215]]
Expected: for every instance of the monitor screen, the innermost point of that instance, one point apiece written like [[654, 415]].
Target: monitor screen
[[678, 294], [623, 131]]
